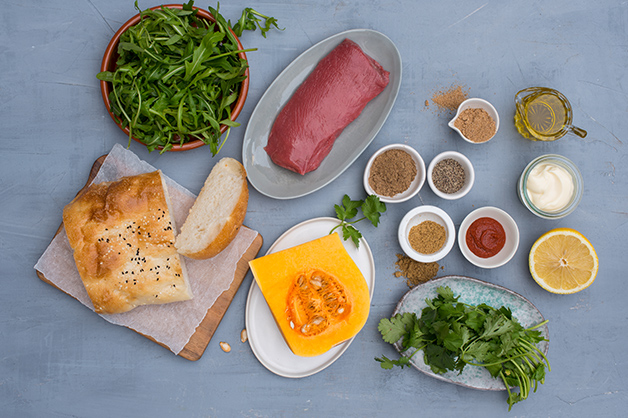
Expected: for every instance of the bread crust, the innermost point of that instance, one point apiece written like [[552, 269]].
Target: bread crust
[[232, 225], [122, 235], [228, 231]]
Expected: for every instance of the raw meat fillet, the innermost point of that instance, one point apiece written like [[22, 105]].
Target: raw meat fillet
[[329, 99]]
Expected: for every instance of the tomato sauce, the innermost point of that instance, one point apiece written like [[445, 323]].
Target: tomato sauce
[[485, 237]]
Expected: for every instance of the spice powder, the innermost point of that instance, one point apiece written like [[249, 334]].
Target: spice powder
[[427, 237], [392, 172], [449, 100], [414, 271], [476, 125]]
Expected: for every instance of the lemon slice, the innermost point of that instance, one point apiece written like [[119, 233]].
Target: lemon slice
[[563, 261]]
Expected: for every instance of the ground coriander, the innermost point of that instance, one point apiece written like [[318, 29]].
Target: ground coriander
[[448, 176], [427, 237]]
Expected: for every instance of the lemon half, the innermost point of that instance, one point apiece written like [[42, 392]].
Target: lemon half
[[563, 261]]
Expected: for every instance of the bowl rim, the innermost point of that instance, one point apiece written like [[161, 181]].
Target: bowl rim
[[108, 64], [403, 236], [494, 261], [473, 102], [469, 171], [417, 183], [573, 171]]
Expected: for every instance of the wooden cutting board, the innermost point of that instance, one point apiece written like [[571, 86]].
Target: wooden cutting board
[[198, 342]]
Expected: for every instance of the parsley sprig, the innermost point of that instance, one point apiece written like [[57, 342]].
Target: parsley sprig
[[371, 208], [453, 334]]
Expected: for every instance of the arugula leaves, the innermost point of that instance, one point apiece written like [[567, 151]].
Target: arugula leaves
[[452, 335], [177, 75], [250, 19], [371, 208]]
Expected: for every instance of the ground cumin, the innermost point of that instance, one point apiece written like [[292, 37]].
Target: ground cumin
[[475, 124], [392, 172], [414, 271], [427, 237], [450, 99]]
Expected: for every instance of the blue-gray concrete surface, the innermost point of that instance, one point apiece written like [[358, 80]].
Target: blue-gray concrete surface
[[58, 359]]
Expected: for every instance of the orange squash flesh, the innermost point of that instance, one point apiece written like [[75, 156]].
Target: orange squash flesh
[[316, 293]]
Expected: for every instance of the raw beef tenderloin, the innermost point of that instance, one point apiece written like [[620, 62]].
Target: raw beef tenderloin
[[329, 99]]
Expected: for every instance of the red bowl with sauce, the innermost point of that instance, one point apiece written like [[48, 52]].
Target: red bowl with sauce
[[109, 64], [488, 237]]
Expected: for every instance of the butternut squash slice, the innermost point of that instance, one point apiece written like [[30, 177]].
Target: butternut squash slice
[[316, 293]]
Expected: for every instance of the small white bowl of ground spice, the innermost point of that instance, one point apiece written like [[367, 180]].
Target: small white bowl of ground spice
[[395, 173], [450, 175], [476, 121], [426, 234]]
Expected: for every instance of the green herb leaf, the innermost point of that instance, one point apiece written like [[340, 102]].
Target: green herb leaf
[[386, 363], [348, 231], [371, 208], [250, 19], [349, 208], [396, 327]]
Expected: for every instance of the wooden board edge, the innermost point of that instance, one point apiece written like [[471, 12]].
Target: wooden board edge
[[199, 341]]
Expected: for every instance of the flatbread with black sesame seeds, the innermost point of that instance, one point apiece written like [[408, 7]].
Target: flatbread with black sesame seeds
[[122, 235]]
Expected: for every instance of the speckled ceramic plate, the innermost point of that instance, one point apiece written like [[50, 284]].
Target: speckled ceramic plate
[[265, 338], [279, 183], [471, 291]]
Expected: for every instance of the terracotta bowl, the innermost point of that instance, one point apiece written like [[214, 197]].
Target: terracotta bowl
[[109, 64]]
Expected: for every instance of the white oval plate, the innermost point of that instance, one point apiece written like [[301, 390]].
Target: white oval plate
[[471, 291], [265, 338], [280, 183]]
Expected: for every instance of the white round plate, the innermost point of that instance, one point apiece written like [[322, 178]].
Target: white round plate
[[264, 336], [279, 183]]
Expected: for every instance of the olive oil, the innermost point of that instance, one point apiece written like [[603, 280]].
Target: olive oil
[[544, 114]]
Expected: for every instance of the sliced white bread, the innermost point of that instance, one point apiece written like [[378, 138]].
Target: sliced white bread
[[218, 212]]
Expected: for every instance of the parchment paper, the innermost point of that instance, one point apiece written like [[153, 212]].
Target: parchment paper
[[170, 324]]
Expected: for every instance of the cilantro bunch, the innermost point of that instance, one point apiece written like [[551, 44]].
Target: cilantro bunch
[[371, 208], [453, 335]]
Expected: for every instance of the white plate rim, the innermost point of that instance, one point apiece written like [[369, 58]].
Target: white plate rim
[[445, 281], [249, 139], [325, 224]]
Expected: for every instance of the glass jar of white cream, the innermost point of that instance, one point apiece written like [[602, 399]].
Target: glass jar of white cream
[[550, 186]]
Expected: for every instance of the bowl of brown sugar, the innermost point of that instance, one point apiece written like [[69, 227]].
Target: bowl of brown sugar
[[426, 234], [476, 121], [395, 173]]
